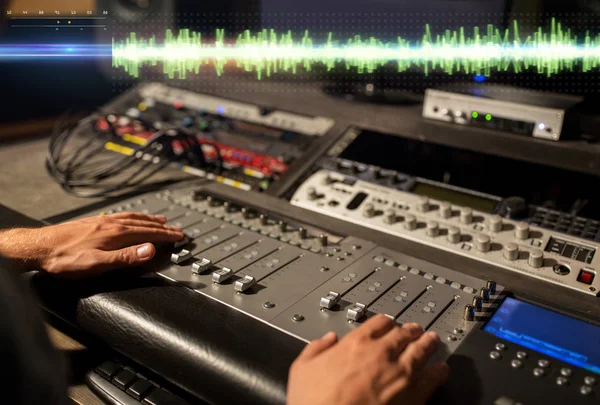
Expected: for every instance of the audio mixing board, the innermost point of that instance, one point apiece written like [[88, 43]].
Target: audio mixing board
[[305, 279], [430, 194]]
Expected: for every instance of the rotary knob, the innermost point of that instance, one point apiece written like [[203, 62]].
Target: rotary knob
[[390, 217], [323, 238], [484, 293], [433, 228], [445, 210], [466, 215], [522, 230], [423, 204], [369, 211], [312, 193], [477, 303], [495, 223], [453, 234], [282, 226], [303, 233], [491, 285], [483, 243], [469, 313], [264, 220], [410, 222], [511, 252], [536, 258]]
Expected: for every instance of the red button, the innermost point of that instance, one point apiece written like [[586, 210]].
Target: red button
[[585, 277]]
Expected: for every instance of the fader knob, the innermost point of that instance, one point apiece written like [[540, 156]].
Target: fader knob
[[423, 204], [433, 228], [469, 313], [484, 293], [483, 243], [511, 251], [369, 210], [536, 258], [491, 285], [453, 234], [477, 303], [445, 210], [522, 230], [390, 217], [466, 215], [410, 222], [495, 223]]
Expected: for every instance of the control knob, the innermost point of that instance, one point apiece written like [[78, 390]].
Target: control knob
[[469, 313], [433, 228], [466, 215], [522, 230], [312, 194], [410, 222], [282, 226], [264, 220], [390, 217], [423, 204], [323, 239], [495, 223], [511, 251], [484, 293], [369, 210], [477, 303], [303, 233], [445, 210], [483, 243], [491, 285], [536, 258], [453, 234]]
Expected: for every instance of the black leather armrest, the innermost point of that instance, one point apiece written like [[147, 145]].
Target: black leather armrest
[[206, 348]]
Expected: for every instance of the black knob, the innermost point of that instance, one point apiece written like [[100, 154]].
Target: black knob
[[246, 213], [303, 233], [229, 207], [323, 239], [514, 208], [264, 220], [213, 202], [198, 195], [491, 285], [484, 293], [469, 313], [282, 226]]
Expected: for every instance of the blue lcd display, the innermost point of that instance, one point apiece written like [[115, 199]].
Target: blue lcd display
[[555, 335]]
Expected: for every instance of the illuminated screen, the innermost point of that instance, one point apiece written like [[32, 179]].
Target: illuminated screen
[[455, 197], [559, 336]]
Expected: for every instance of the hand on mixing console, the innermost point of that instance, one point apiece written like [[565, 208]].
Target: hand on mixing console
[[378, 363], [88, 246]]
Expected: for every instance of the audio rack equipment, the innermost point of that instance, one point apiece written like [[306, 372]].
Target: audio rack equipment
[[504, 108], [242, 145], [305, 280], [535, 241]]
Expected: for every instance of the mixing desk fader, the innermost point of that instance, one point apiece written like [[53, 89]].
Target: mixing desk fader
[[305, 280]]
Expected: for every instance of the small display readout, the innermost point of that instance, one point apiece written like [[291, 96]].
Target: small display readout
[[571, 250]]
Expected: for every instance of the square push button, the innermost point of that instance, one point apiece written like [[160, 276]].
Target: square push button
[[585, 276]]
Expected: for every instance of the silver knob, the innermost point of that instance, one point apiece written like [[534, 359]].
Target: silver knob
[[484, 293], [511, 251], [466, 215], [491, 285], [477, 303], [433, 228], [445, 210], [469, 313], [522, 230], [423, 204], [453, 234], [369, 210], [483, 243], [410, 222], [390, 217], [536, 258], [495, 223]]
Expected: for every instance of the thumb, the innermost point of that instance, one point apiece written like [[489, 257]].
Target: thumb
[[318, 346], [433, 378]]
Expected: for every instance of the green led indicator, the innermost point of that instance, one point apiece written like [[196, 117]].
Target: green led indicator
[[488, 117], [474, 114]]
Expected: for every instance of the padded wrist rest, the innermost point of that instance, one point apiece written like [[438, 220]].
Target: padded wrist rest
[[206, 348]]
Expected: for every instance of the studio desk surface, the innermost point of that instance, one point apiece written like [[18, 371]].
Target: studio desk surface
[[215, 352]]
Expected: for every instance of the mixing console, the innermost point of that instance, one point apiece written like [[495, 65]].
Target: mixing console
[[305, 281], [242, 145], [534, 241]]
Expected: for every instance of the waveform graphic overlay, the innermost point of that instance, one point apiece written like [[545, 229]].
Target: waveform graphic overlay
[[547, 52]]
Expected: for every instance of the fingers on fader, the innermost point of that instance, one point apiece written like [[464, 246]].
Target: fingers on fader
[[137, 215], [106, 260], [398, 338]]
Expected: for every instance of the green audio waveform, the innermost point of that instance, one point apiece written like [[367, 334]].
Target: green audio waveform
[[265, 52]]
